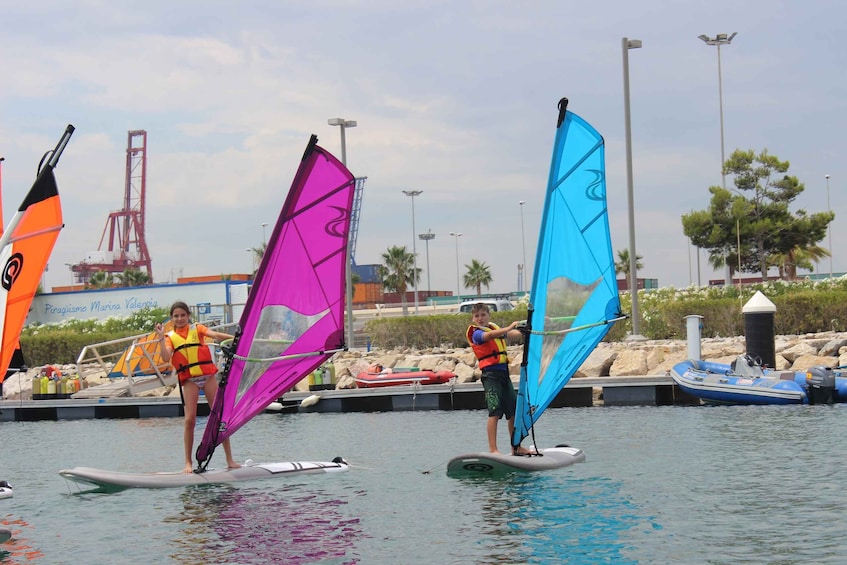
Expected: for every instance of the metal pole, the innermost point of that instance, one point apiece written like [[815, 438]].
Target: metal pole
[[523, 243], [718, 40], [412, 194], [720, 105], [458, 288], [626, 45], [828, 209], [348, 294], [427, 237], [264, 237], [690, 277]]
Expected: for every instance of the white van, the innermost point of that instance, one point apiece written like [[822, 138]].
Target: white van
[[494, 305]]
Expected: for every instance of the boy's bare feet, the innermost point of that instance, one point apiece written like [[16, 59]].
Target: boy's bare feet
[[519, 450]]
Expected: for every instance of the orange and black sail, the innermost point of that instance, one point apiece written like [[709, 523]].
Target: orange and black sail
[[25, 247]]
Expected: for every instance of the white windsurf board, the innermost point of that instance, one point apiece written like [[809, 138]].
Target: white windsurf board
[[481, 464], [118, 480]]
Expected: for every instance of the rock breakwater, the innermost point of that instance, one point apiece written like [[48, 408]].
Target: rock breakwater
[[618, 359]]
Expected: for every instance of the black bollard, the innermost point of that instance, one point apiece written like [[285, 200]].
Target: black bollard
[[759, 329]]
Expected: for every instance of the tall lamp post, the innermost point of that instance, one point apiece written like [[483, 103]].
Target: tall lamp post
[[252, 259], [828, 209], [264, 238], [718, 40], [427, 237], [626, 45], [523, 244], [457, 235], [412, 194], [348, 293]]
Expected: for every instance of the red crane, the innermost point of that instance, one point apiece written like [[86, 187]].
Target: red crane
[[127, 248]]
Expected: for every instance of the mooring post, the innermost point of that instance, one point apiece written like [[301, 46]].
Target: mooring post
[[693, 327], [759, 328]]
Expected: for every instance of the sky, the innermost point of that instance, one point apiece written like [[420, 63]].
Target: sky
[[454, 98]]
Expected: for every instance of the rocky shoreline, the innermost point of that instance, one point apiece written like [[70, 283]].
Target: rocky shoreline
[[619, 359]]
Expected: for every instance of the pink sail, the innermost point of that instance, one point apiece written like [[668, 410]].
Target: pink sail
[[294, 317]]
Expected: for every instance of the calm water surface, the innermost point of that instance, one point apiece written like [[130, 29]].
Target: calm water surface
[[660, 485]]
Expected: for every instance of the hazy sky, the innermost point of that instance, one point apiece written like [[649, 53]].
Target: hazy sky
[[454, 98]]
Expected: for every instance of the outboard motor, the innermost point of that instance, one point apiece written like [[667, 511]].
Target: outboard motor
[[820, 382]]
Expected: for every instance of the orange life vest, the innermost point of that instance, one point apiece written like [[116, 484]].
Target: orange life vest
[[491, 352], [191, 357]]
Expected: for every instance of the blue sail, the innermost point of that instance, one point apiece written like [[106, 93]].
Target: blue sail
[[574, 296]]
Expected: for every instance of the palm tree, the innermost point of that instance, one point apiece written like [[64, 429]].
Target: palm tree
[[101, 279], [398, 272], [478, 274], [258, 254], [622, 264], [798, 257], [132, 278]]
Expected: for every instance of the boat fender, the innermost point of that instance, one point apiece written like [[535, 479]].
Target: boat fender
[[310, 401]]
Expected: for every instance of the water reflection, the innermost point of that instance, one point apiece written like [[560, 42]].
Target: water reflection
[[553, 518], [246, 525], [17, 549]]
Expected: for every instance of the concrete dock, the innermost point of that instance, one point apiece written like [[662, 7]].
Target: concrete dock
[[613, 391]]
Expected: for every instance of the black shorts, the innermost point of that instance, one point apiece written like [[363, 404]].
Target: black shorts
[[499, 393]]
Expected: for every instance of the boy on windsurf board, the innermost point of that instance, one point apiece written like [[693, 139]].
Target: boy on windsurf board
[[488, 342]]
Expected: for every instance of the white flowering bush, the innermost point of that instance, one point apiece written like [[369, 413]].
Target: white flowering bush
[[802, 306], [61, 343]]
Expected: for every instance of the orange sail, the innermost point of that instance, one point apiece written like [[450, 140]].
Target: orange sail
[[25, 248], [143, 359]]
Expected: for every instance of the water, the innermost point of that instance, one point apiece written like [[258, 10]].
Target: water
[[660, 485]]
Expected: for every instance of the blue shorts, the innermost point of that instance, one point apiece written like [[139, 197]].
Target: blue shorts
[[499, 393]]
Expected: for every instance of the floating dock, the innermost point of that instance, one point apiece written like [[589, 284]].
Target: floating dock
[[613, 391]]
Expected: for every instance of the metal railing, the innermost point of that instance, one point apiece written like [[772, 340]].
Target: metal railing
[[102, 357]]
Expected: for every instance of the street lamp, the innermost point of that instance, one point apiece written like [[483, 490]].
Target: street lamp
[[252, 260], [828, 209], [68, 265], [523, 243], [427, 237], [348, 292], [457, 235], [264, 239], [343, 124], [412, 194], [718, 40], [626, 45]]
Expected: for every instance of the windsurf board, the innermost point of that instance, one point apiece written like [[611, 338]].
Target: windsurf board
[[481, 464], [113, 481]]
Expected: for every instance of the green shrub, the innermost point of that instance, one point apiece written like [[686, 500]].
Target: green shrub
[[801, 307], [61, 343]]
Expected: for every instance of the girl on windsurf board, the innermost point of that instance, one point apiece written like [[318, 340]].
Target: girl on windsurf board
[[488, 342], [185, 348]]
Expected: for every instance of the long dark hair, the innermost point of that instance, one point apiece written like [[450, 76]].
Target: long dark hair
[[181, 306]]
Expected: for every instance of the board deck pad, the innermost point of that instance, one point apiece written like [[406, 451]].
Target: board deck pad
[[117, 480], [482, 464]]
